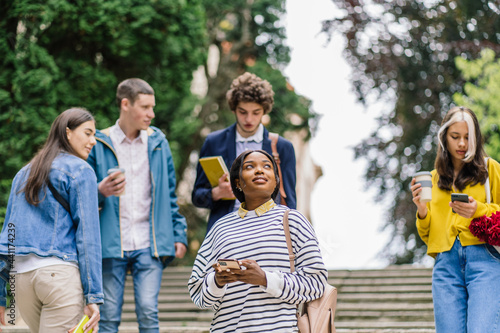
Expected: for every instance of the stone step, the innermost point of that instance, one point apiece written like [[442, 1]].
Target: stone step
[[377, 325], [180, 285], [363, 297], [343, 297], [384, 288], [341, 315], [194, 329], [346, 306]]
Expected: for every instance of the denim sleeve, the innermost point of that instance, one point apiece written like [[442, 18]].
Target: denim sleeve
[[85, 213], [179, 222]]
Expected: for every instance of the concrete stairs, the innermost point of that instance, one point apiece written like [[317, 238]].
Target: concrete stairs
[[396, 299]]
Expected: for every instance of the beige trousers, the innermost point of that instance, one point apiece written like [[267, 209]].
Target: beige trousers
[[50, 298]]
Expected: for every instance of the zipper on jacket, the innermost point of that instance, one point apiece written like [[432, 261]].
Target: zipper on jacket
[[153, 213]]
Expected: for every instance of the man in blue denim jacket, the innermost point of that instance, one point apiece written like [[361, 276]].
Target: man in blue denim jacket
[[141, 228]]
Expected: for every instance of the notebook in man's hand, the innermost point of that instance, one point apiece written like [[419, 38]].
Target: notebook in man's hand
[[214, 167]]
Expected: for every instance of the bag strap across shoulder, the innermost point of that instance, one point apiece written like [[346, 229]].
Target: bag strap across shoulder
[[319, 316], [291, 255], [487, 183], [286, 228], [59, 197], [488, 194]]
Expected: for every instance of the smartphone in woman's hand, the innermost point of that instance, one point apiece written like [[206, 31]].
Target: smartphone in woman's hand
[[229, 263], [462, 197]]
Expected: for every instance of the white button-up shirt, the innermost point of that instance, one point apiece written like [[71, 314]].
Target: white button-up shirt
[[253, 142], [135, 202]]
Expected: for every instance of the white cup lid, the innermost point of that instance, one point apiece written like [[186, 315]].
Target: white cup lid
[[422, 173]]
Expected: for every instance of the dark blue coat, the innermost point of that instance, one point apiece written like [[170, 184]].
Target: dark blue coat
[[223, 143]]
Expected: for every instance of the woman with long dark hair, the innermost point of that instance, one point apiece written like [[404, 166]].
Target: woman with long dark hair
[[466, 274], [50, 245], [261, 293]]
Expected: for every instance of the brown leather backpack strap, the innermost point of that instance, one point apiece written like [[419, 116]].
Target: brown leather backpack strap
[[286, 228], [274, 147]]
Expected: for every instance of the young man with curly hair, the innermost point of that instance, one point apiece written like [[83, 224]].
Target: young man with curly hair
[[249, 98]]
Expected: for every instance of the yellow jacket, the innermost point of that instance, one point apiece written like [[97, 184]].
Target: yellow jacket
[[440, 227]]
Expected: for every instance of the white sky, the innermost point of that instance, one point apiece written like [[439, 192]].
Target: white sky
[[344, 214]]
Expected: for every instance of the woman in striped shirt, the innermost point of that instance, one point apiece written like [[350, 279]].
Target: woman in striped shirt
[[262, 295]]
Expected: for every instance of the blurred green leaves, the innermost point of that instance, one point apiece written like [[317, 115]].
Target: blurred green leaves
[[59, 54], [482, 95]]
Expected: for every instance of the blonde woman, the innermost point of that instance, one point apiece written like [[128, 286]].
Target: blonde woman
[[466, 275]]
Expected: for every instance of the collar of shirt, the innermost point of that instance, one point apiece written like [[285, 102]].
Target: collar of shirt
[[261, 210], [257, 137], [121, 137]]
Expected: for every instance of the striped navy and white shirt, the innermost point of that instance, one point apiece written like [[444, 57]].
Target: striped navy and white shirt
[[241, 307]]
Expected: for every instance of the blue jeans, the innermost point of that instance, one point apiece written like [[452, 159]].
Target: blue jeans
[[146, 273], [466, 290]]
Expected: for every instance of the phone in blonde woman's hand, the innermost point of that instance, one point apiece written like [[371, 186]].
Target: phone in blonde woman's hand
[[462, 197]]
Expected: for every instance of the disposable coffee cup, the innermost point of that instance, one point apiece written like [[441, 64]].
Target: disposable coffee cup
[[425, 179], [115, 169]]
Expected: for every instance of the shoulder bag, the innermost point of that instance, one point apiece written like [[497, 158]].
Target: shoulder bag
[[58, 197], [315, 316]]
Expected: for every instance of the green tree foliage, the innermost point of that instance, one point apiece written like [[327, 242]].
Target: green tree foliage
[[402, 55], [62, 53], [482, 95], [248, 36], [83, 50], [59, 53], [244, 35]]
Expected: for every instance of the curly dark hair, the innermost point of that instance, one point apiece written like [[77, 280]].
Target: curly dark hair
[[249, 87], [236, 172]]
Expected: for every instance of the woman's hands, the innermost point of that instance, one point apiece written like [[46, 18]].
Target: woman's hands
[[416, 189], [465, 209], [250, 273]]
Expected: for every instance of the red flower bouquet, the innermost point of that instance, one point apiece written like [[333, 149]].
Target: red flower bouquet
[[487, 229]]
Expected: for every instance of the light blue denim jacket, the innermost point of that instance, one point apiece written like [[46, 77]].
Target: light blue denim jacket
[[48, 229]]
